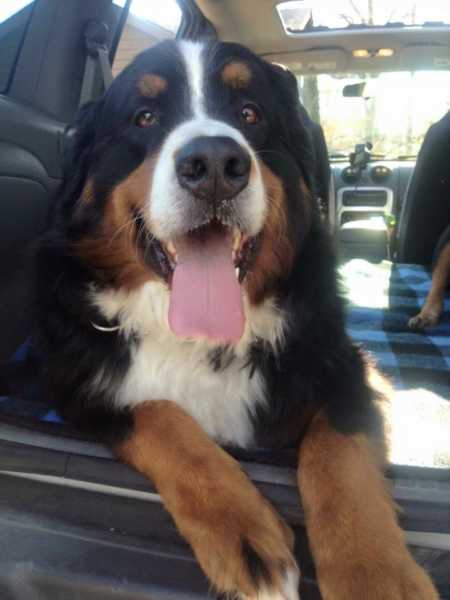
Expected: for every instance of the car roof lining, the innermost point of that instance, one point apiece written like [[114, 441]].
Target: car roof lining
[[256, 24]]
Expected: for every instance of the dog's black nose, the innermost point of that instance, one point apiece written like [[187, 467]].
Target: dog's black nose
[[213, 168]]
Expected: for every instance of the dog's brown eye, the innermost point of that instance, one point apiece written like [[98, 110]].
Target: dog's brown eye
[[250, 114], [145, 118]]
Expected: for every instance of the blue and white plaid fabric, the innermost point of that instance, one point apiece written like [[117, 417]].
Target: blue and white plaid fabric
[[382, 298]]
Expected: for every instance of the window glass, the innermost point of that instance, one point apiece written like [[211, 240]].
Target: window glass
[[149, 22], [14, 17], [299, 16], [393, 113]]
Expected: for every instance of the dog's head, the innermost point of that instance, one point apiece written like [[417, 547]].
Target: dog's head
[[194, 170]]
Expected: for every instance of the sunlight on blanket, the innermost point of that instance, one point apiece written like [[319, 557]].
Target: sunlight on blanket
[[420, 429], [366, 284]]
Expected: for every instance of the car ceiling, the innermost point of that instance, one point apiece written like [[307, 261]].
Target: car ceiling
[[256, 24]]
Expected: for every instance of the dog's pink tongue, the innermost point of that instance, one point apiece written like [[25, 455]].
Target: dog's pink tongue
[[205, 299]]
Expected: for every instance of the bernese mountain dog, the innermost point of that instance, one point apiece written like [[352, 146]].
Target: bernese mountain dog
[[188, 301]]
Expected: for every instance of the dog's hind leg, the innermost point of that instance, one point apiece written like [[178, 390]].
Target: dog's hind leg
[[242, 545], [358, 547], [434, 304]]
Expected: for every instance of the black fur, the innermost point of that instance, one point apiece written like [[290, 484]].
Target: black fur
[[74, 351], [317, 367], [259, 573]]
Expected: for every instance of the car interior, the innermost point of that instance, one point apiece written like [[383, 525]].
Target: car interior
[[375, 81]]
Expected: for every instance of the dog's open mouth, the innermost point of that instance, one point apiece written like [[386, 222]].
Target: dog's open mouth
[[235, 244], [205, 269]]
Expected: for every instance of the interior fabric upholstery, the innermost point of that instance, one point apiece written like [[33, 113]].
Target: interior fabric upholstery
[[426, 211]]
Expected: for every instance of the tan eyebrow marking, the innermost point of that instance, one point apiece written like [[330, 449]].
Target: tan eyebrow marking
[[237, 75], [152, 85]]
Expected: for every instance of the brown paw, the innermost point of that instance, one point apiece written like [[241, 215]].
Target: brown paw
[[378, 581], [426, 318], [242, 544], [247, 554]]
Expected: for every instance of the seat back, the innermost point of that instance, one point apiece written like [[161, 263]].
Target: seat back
[[426, 210]]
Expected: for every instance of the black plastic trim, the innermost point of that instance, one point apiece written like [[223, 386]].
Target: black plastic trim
[[423, 494]]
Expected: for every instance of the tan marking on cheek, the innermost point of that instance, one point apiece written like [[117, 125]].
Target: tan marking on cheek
[[87, 194], [152, 85], [86, 197], [237, 75], [276, 254], [114, 251]]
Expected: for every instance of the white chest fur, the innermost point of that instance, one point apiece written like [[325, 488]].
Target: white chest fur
[[165, 367]]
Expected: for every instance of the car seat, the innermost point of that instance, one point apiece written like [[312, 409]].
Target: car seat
[[426, 210]]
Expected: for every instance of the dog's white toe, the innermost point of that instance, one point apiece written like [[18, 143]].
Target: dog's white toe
[[289, 591]]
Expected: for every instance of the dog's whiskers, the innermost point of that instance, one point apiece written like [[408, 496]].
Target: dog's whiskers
[[128, 224]]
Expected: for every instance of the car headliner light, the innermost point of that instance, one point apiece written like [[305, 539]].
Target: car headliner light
[[379, 53]]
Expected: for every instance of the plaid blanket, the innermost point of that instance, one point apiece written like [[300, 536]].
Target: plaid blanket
[[382, 298]]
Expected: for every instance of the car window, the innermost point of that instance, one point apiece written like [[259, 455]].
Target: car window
[[393, 112], [148, 22], [299, 17], [14, 18]]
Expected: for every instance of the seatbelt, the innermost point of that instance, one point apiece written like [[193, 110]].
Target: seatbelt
[[97, 53]]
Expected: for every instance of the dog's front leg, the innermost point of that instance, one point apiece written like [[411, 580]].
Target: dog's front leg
[[358, 547], [432, 310], [240, 542]]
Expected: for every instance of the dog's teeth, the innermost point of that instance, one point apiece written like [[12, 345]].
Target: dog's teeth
[[236, 239], [236, 271], [172, 252]]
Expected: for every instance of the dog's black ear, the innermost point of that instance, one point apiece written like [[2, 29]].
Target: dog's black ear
[[79, 137], [296, 122], [77, 154]]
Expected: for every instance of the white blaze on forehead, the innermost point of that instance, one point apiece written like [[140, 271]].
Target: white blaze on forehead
[[193, 56]]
